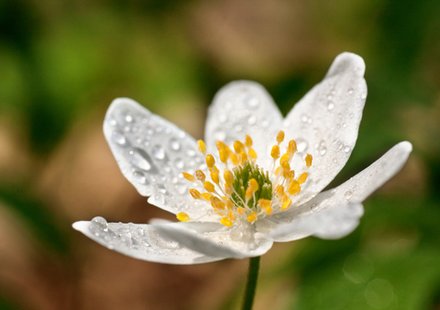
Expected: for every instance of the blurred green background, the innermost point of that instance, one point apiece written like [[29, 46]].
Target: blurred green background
[[61, 64]]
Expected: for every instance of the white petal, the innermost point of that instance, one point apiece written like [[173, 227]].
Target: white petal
[[140, 241], [152, 153], [241, 108], [218, 242], [325, 122], [335, 213]]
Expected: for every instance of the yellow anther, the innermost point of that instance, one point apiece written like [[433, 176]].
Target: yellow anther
[[238, 146], [308, 159], [241, 210], [284, 159], [252, 154], [202, 146], [278, 170], [226, 221], [275, 152], [266, 205], [252, 217], [200, 175], [291, 148], [234, 158], [248, 141], [195, 193], [210, 160], [215, 175], [279, 190], [294, 187], [230, 204], [243, 157], [206, 196], [228, 176], [223, 154], [303, 177], [286, 203], [280, 136], [182, 216], [188, 176], [216, 203], [252, 188], [209, 186]]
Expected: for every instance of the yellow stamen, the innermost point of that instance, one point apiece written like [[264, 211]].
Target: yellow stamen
[[228, 176], [308, 160], [252, 154], [215, 175], [234, 158], [188, 176], [248, 141], [303, 177], [241, 210], [226, 221], [280, 136], [217, 203], [200, 175], [202, 146], [294, 188], [195, 193], [238, 146], [182, 216], [209, 186], [275, 152], [210, 160], [206, 196], [252, 217], [252, 188], [291, 148], [286, 203]]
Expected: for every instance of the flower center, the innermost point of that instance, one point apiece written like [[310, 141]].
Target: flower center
[[238, 189]]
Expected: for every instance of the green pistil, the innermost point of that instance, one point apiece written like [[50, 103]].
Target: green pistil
[[242, 175]]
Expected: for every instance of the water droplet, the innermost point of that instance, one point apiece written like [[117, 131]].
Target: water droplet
[[140, 177], [330, 106], [265, 123], [329, 97], [348, 194], [322, 149], [174, 144], [180, 164], [158, 152], [238, 128], [252, 120], [112, 122], [190, 153], [350, 91], [301, 145], [98, 225], [306, 119], [363, 95], [252, 102], [140, 159], [128, 118], [347, 149], [119, 138]]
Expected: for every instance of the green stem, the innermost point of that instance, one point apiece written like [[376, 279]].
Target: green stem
[[251, 284]]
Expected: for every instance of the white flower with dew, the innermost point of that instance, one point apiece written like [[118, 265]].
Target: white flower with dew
[[257, 178]]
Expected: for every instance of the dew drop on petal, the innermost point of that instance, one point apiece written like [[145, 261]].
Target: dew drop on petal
[[179, 163], [322, 148], [347, 149], [330, 106], [348, 194], [158, 152], [98, 225], [140, 159], [252, 120], [174, 144], [119, 138], [128, 118], [301, 145], [238, 128], [363, 95], [140, 177], [350, 91], [252, 102]]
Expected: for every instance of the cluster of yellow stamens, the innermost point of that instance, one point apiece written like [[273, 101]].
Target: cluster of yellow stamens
[[240, 189]]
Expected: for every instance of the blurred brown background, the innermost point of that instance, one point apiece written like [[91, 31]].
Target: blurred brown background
[[63, 62]]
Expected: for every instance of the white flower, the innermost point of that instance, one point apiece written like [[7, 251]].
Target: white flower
[[258, 179]]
